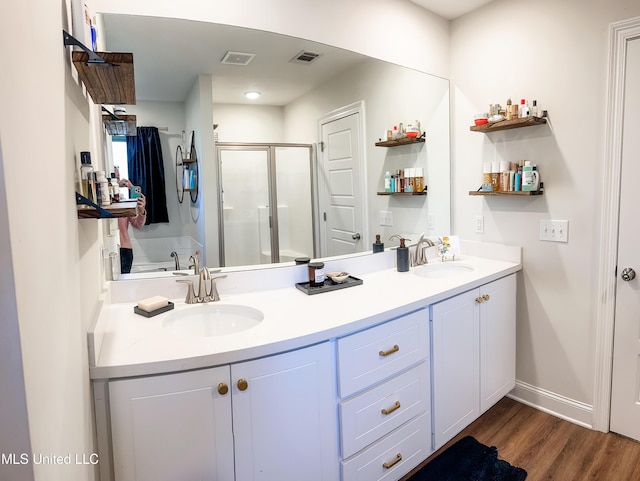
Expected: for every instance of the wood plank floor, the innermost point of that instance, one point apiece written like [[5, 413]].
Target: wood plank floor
[[549, 448]]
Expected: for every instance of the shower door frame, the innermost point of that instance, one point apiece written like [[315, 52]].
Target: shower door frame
[[270, 149]]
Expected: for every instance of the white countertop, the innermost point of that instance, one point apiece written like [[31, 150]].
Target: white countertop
[[133, 345]]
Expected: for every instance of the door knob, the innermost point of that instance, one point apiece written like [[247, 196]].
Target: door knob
[[355, 236], [628, 274]]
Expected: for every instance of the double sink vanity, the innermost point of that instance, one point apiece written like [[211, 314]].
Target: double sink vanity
[[269, 383]]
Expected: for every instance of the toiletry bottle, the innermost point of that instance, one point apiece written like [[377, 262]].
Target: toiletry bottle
[[495, 175], [402, 254], [526, 111], [387, 181], [103, 187], [536, 178], [377, 245], [527, 177], [408, 180], [487, 182], [534, 109], [418, 180], [86, 176], [116, 188], [509, 111], [517, 182], [316, 274]]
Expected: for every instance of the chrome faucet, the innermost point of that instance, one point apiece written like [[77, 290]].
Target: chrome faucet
[[196, 268], [174, 254], [207, 288], [419, 256]]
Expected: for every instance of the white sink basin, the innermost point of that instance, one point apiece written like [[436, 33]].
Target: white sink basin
[[209, 320], [442, 270]]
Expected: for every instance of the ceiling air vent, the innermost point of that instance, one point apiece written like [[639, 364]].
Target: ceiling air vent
[[237, 58], [305, 57]]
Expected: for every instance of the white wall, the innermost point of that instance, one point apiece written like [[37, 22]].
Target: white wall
[[555, 52], [248, 123], [57, 271], [391, 95]]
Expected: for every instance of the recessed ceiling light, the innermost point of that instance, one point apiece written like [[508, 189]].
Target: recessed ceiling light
[[252, 94]]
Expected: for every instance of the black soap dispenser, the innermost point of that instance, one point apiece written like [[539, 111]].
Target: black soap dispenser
[[378, 246], [402, 254]]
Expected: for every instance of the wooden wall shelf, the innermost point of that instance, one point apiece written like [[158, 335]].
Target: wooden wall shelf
[[119, 209], [123, 125], [516, 194], [404, 141], [109, 83], [424, 192], [509, 124]]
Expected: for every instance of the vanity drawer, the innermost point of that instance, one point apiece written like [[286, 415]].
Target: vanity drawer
[[394, 456], [368, 357], [375, 413]]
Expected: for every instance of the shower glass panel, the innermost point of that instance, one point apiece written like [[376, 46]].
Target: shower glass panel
[[295, 207], [253, 180]]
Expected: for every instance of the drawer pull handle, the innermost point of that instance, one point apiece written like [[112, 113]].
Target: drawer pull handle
[[395, 348], [486, 297], [391, 409], [391, 464]]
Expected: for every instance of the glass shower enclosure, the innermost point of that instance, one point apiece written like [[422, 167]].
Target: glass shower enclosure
[[266, 203]]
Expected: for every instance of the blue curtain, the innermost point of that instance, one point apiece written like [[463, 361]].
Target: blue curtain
[[146, 169]]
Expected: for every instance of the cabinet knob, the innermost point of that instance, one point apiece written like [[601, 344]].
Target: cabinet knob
[[479, 300], [486, 297], [223, 388], [395, 461], [395, 348], [243, 384]]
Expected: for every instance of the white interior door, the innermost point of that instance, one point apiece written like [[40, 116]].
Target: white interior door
[[625, 393], [340, 182]]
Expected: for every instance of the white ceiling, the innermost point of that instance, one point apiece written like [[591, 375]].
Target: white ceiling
[[169, 54], [451, 8]]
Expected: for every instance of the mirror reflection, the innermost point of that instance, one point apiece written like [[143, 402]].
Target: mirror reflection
[[326, 111]]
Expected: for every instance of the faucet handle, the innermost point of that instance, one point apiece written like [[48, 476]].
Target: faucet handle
[[213, 292], [191, 295]]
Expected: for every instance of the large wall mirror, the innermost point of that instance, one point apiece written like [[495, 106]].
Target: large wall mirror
[[303, 153]]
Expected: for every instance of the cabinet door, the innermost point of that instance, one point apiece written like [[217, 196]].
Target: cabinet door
[[456, 371], [172, 427], [285, 416], [497, 340]]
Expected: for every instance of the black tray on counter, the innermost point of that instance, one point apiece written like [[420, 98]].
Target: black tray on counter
[[328, 285]]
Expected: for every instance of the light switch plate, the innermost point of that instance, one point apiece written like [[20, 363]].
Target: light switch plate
[[479, 224], [386, 218], [554, 230]]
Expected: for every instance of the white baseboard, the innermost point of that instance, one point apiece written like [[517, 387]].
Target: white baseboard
[[562, 407]]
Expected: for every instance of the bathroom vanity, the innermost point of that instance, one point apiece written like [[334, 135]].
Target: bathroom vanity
[[328, 387]]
